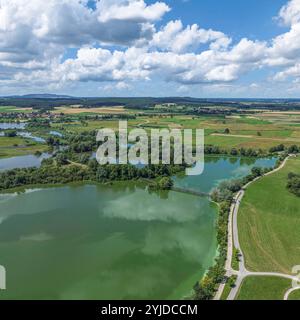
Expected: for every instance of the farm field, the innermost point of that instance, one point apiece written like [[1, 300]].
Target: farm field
[[244, 132], [263, 288], [80, 110], [10, 109], [268, 223]]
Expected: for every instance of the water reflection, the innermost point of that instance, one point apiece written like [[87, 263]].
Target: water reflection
[[130, 207], [107, 248], [218, 169]]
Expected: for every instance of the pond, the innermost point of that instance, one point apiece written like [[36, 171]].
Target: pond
[[12, 125], [27, 135], [22, 161], [56, 133], [19, 126], [218, 169]]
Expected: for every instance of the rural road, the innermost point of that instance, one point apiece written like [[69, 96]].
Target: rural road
[[233, 240]]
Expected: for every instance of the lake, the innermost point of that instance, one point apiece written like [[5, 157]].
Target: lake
[[112, 242], [101, 242]]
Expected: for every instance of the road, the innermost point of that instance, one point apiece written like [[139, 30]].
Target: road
[[233, 240]]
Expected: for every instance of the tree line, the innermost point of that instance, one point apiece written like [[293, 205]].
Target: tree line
[[293, 184], [52, 171]]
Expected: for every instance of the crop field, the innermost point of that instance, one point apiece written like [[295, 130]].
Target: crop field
[[245, 132], [10, 109], [283, 117], [79, 110]]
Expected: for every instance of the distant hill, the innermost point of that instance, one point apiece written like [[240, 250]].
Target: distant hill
[[50, 101], [40, 96]]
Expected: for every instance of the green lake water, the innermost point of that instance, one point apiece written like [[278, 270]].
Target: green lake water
[[109, 242]]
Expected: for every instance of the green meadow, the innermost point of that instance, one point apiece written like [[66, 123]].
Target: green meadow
[[295, 295], [263, 288], [268, 223]]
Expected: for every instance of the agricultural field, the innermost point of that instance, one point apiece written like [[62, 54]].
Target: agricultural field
[[245, 132], [263, 288], [268, 223], [11, 109], [258, 131], [283, 117], [77, 110]]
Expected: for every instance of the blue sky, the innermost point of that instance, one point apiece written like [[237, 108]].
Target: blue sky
[[201, 48], [252, 19]]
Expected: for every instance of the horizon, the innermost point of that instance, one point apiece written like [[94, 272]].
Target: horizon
[[66, 96]]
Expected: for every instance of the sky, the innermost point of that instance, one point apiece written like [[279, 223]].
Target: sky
[[198, 48]]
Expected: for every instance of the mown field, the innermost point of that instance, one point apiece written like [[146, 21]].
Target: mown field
[[268, 223], [263, 288]]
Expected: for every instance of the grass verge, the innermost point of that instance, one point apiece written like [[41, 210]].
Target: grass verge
[[263, 288]]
